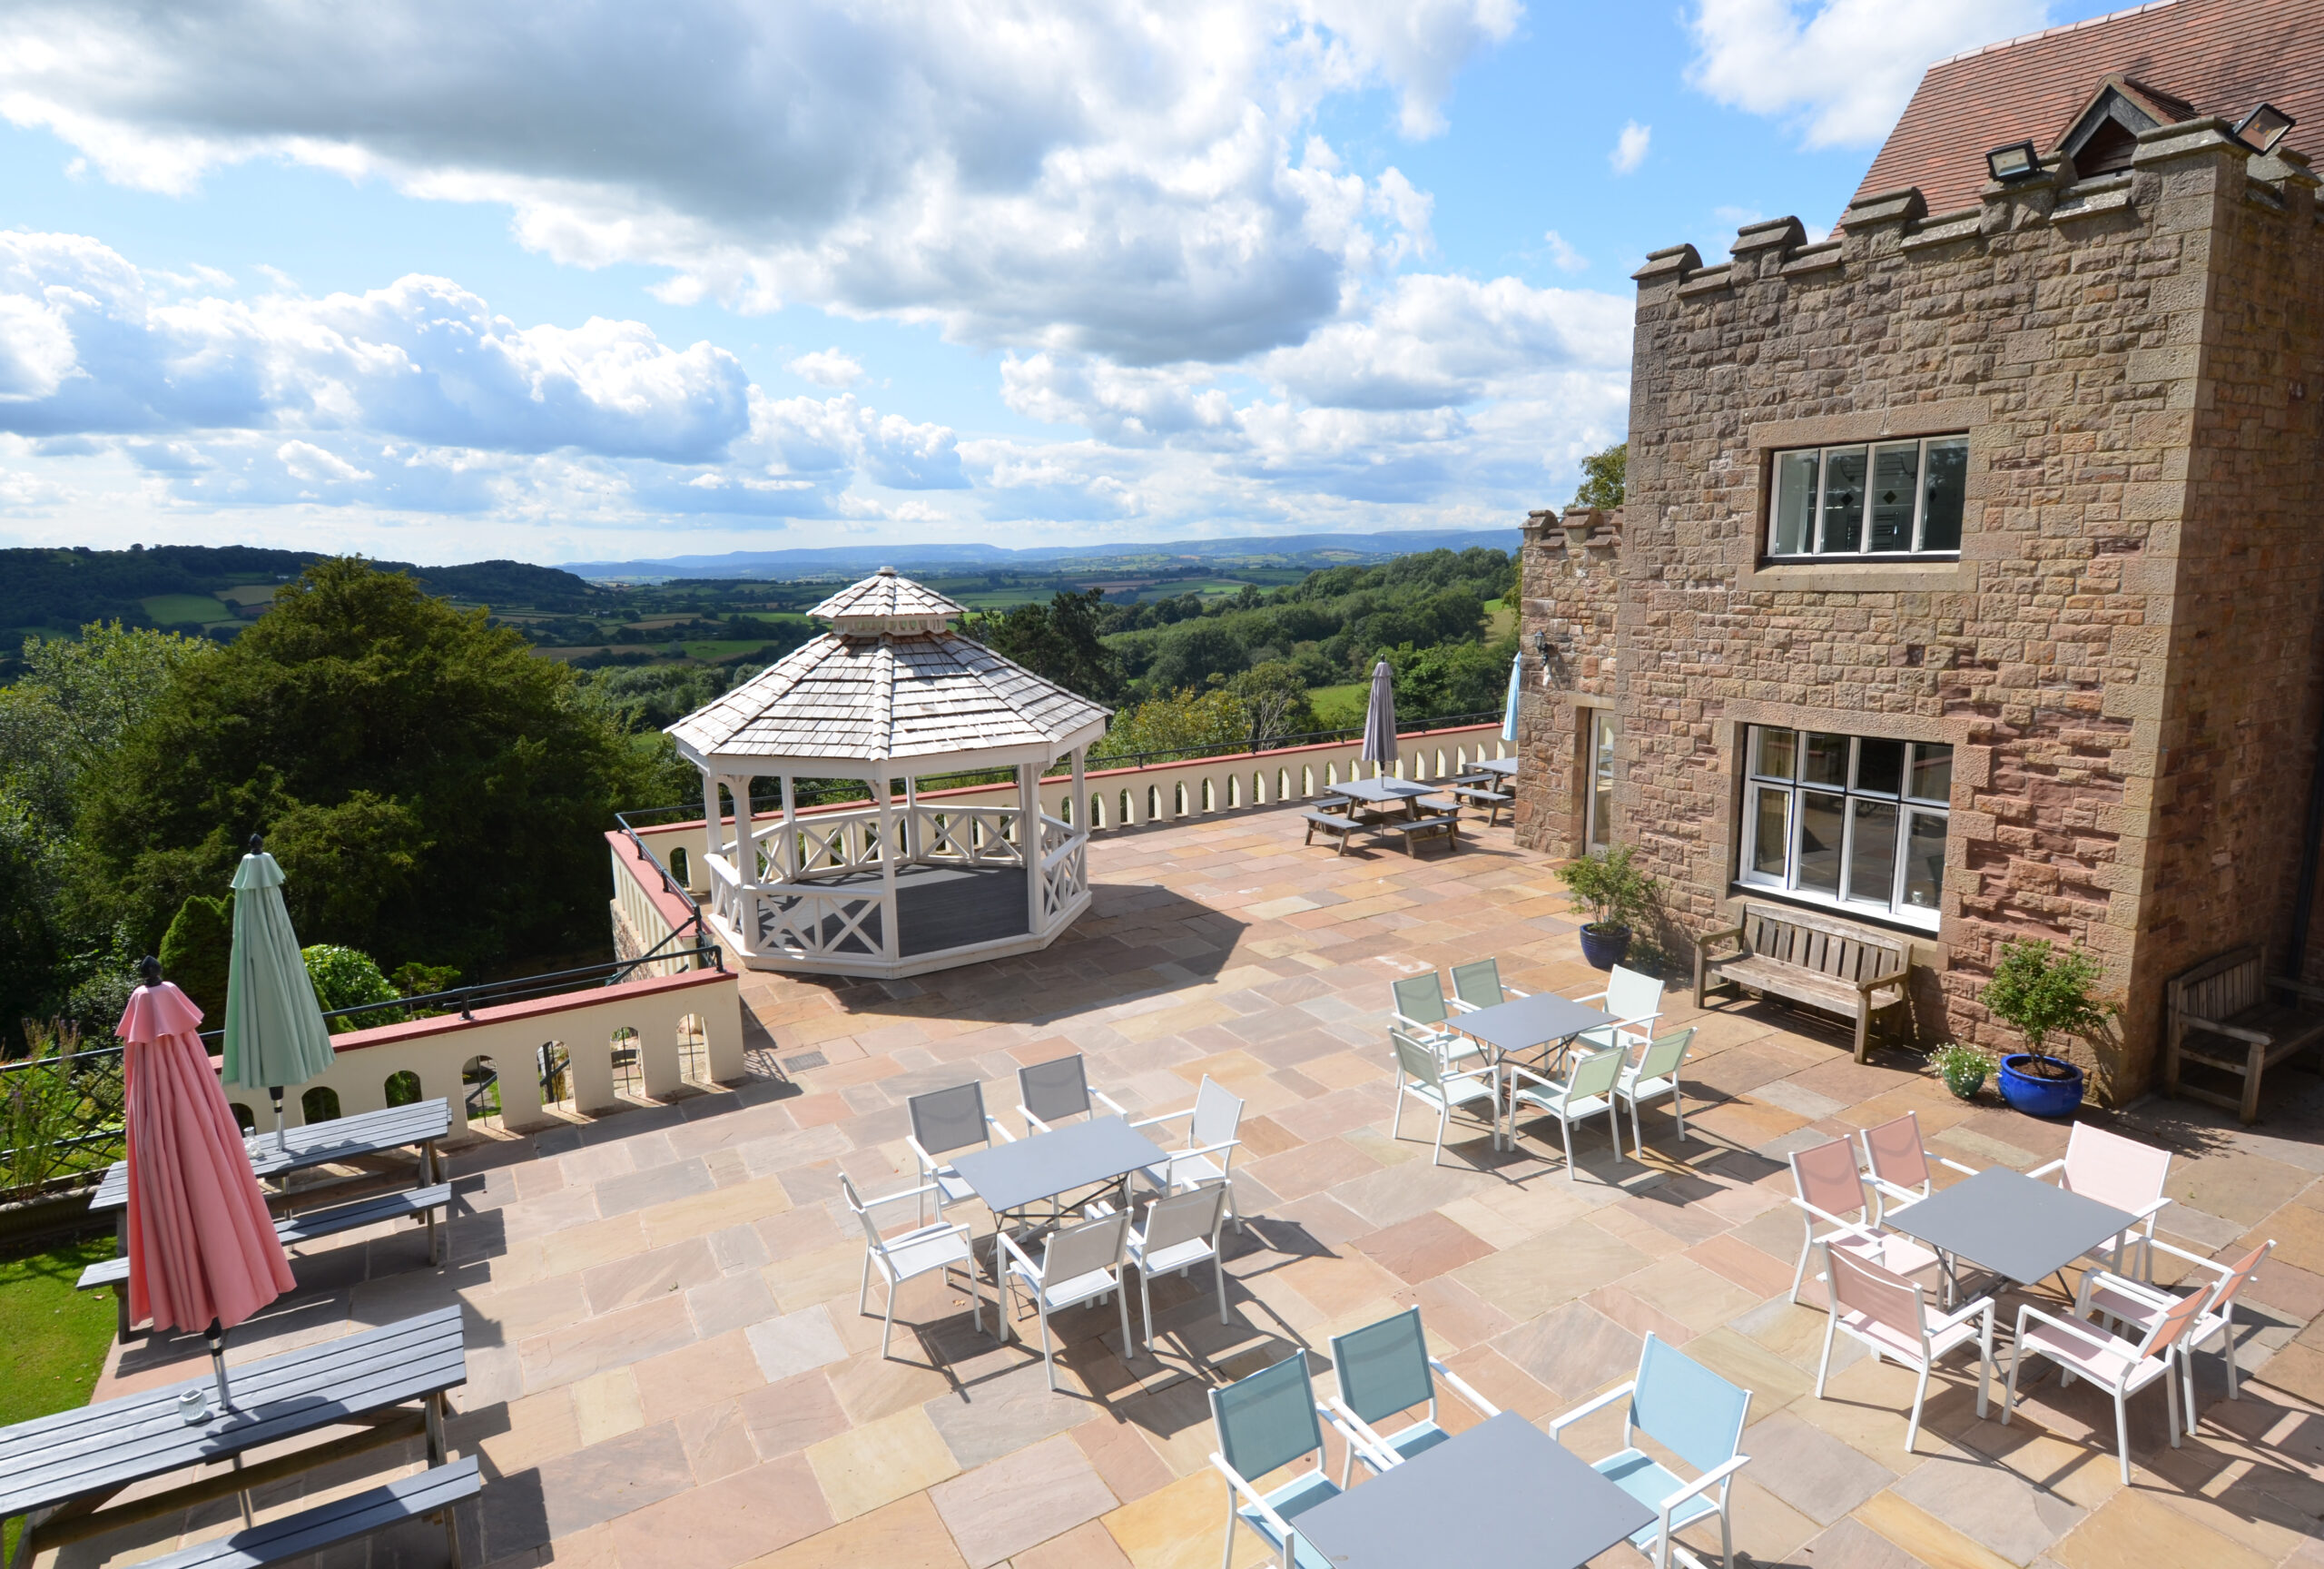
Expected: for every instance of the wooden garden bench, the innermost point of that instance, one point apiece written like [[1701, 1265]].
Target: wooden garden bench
[[438, 1491], [1799, 957], [2220, 1016]]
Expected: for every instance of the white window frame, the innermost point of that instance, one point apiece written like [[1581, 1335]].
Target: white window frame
[[1908, 808], [1871, 451], [1597, 809]]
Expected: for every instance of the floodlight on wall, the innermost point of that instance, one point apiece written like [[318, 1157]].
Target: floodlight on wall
[[2018, 161], [2264, 127]]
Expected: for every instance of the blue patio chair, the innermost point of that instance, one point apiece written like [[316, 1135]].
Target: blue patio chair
[[1696, 1415], [1383, 1368], [1478, 985], [1423, 1013], [1264, 1422]]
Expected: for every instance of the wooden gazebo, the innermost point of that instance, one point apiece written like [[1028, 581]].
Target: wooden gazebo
[[891, 695]]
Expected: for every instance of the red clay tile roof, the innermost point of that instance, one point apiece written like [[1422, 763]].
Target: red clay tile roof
[[2222, 56]]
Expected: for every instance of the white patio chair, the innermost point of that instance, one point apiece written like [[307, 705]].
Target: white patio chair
[[1828, 1186], [909, 1254], [1422, 1075], [1264, 1422], [1478, 985], [1181, 1231], [2113, 1300], [1887, 1313], [1654, 1075], [1587, 1089], [2119, 1171], [1078, 1264], [1636, 1002], [1423, 1013], [1897, 1162], [1383, 1368], [2121, 1367], [1049, 1092], [944, 1122], [1694, 1415], [1208, 1154]]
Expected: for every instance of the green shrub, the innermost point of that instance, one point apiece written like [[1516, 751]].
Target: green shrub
[[197, 951], [2040, 993], [1612, 885], [344, 978]]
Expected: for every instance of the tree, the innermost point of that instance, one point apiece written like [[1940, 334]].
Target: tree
[[1274, 699], [345, 978], [433, 790], [1059, 642], [1604, 475], [197, 952], [1186, 721], [1451, 678]]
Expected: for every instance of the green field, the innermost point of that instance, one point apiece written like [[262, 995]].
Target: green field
[[715, 649], [1501, 619], [185, 609], [1340, 707]]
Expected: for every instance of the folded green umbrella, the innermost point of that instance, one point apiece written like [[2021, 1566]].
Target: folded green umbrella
[[275, 1034]]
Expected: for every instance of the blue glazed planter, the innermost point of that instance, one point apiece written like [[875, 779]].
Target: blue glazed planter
[[2034, 1095], [1603, 947]]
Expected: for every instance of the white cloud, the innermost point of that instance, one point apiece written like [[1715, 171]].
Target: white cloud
[[1629, 147], [1132, 177], [1563, 256], [828, 368], [1842, 69]]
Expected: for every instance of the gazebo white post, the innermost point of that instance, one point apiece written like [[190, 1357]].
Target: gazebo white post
[[1028, 840], [713, 834], [788, 863], [1080, 794], [891, 937], [912, 815]]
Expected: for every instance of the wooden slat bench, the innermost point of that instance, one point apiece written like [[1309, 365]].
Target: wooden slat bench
[[1446, 825], [2222, 1016], [415, 1202], [437, 1491], [1802, 958], [1332, 823], [1491, 802]]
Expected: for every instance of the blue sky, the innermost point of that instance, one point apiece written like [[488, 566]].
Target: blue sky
[[442, 280]]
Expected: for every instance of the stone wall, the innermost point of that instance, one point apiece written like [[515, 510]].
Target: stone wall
[[1570, 564], [2125, 655]]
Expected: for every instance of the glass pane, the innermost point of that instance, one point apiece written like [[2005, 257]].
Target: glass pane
[[1795, 513], [1819, 841], [1895, 475], [1932, 772], [1843, 500], [1774, 752], [1601, 779], [1871, 853], [1924, 859], [1828, 760], [1880, 766], [1771, 831], [1946, 483]]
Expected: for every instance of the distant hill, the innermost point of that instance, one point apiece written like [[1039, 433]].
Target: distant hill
[[216, 588], [1288, 549]]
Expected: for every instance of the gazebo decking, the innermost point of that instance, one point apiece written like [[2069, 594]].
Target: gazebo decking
[[937, 907]]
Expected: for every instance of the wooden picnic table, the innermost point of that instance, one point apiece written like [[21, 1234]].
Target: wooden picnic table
[[58, 1472], [420, 1123]]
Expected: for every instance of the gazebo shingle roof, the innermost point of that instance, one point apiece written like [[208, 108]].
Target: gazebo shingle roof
[[866, 696]]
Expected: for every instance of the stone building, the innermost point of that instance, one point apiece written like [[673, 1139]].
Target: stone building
[[1968, 582]]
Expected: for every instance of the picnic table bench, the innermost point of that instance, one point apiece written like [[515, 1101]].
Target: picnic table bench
[[420, 1123], [2222, 1016], [59, 1472], [1792, 954], [435, 1491], [293, 1229], [1486, 799]]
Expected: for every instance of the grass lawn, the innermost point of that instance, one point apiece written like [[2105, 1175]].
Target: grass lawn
[[180, 609], [57, 1338], [1341, 708]]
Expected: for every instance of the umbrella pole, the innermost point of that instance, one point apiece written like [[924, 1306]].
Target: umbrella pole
[[276, 1090], [216, 1336]]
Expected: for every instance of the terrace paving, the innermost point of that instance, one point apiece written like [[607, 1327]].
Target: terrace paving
[[667, 1368]]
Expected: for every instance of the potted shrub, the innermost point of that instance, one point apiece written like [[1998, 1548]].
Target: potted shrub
[[2040, 993], [1615, 892], [1963, 1067]]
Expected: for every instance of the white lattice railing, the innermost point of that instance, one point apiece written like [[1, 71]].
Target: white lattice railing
[[809, 922], [1065, 877]]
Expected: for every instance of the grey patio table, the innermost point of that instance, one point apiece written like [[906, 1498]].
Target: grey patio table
[[421, 1124], [1524, 1024], [1504, 766], [2021, 1228], [1385, 793], [59, 1471], [1528, 1502], [1010, 1177]]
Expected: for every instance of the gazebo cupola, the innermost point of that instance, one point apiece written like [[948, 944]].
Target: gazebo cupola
[[892, 695]]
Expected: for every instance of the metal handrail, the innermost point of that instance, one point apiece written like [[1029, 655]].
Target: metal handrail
[[669, 884]]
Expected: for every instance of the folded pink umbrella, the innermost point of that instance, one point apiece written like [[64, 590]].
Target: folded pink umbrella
[[202, 1252]]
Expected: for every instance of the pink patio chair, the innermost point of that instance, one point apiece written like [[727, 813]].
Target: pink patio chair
[[1887, 1313], [2123, 1368], [2116, 1301], [1828, 1188], [1898, 1164], [2119, 1171]]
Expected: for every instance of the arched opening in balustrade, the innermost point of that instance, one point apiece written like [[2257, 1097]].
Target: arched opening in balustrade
[[679, 867], [480, 1087], [1130, 817], [629, 1071], [320, 1104], [243, 1117], [401, 1086], [554, 1066], [887, 704], [1282, 784]]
